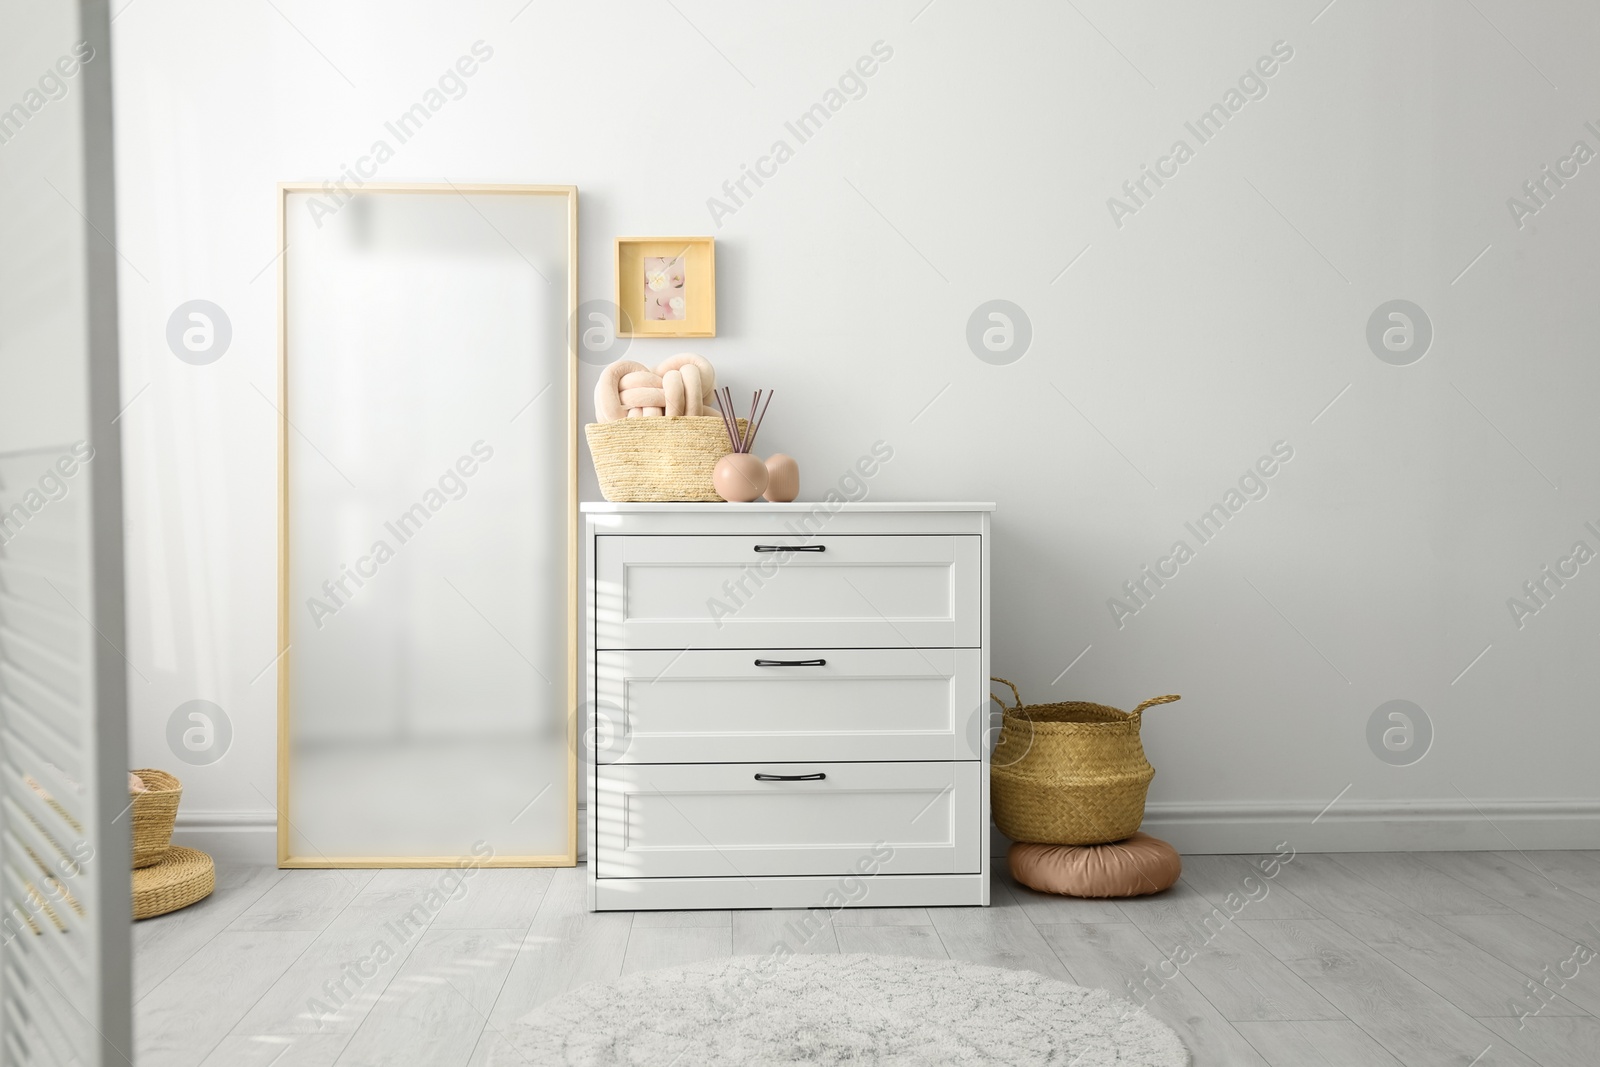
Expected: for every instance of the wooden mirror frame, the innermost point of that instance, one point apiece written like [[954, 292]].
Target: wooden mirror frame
[[568, 858]]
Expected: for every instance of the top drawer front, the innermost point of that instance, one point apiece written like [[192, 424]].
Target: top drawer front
[[859, 591]]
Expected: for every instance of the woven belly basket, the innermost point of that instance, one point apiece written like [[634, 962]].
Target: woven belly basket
[[665, 457], [1072, 773]]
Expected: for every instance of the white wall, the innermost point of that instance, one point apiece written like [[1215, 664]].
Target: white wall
[[1222, 317]]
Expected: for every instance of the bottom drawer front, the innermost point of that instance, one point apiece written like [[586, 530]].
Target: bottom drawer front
[[719, 820]]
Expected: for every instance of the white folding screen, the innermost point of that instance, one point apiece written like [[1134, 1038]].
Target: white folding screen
[[427, 693], [64, 828]]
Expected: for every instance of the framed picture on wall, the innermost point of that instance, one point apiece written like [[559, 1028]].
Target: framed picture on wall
[[666, 287]]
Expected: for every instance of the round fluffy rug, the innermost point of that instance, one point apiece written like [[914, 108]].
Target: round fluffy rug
[[854, 1009]]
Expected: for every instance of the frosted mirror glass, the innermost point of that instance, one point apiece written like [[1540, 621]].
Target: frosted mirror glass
[[429, 496]]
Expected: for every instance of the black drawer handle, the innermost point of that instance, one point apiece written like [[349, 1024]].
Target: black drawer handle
[[819, 776], [788, 548], [791, 663]]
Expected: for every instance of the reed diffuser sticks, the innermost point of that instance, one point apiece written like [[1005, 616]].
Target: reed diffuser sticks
[[746, 441], [725, 409]]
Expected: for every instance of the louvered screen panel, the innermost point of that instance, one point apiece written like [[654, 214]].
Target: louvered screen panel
[[64, 825], [45, 712]]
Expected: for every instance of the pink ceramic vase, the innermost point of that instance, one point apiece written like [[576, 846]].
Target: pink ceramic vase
[[783, 478], [739, 477]]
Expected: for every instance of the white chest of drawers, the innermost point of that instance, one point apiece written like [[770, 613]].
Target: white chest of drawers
[[788, 705]]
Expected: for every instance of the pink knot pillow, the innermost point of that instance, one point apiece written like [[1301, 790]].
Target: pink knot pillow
[[1133, 868]]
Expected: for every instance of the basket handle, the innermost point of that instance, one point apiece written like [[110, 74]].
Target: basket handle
[[1152, 702], [1014, 693]]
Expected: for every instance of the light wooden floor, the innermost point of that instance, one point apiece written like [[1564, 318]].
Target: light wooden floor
[[1414, 959]]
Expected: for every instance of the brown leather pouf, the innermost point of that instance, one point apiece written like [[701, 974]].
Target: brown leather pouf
[[1133, 868]]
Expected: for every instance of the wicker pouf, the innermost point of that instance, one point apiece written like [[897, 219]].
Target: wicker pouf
[[154, 813], [659, 458], [185, 876]]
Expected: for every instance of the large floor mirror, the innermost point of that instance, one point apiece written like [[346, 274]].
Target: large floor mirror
[[428, 530]]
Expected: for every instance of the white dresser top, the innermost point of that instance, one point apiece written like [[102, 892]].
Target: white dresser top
[[606, 507]]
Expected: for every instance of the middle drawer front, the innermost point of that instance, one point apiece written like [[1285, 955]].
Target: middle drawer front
[[722, 821], [724, 706]]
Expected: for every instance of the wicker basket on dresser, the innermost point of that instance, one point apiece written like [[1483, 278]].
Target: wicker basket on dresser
[[788, 705]]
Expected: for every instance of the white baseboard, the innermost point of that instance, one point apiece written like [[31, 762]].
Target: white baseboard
[[1377, 826], [252, 836], [1196, 829], [237, 836]]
